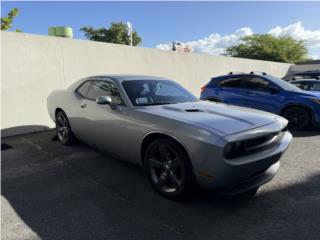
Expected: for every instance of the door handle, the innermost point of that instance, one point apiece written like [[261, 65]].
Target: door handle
[[83, 105]]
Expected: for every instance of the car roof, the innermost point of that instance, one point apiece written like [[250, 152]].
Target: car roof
[[239, 75], [305, 80], [126, 77], [312, 72]]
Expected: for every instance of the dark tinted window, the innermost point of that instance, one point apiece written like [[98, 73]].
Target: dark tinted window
[[104, 88], [231, 82], [255, 84], [83, 89]]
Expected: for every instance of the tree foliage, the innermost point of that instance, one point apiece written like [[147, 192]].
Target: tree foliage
[[116, 33], [6, 22], [268, 47]]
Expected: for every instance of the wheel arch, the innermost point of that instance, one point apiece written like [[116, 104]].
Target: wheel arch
[[150, 137], [58, 109], [309, 110]]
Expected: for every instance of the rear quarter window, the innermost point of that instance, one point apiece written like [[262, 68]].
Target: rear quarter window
[[83, 89]]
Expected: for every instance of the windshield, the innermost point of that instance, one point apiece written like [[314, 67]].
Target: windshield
[[284, 85], [156, 92], [315, 86]]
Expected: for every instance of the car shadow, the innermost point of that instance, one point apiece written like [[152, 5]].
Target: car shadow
[[20, 130], [78, 193]]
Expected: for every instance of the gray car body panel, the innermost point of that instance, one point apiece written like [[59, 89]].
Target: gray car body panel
[[202, 132]]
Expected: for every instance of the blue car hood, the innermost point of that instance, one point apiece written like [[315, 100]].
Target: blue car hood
[[308, 94]]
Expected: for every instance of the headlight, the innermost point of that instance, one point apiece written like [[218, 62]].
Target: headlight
[[316, 100], [228, 149], [233, 148]]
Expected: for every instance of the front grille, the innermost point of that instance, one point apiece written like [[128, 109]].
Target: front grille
[[253, 145]]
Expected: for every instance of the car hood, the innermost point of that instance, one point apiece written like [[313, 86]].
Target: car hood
[[311, 94], [226, 119]]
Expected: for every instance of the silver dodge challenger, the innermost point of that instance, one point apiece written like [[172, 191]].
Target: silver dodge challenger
[[181, 142]]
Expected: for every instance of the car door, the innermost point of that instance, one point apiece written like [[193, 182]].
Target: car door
[[261, 94], [78, 119], [104, 125], [230, 90]]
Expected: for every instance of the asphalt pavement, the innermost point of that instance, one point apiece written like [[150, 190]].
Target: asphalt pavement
[[50, 191]]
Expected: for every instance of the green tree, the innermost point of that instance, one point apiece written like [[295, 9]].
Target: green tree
[[117, 33], [6, 22], [271, 48]]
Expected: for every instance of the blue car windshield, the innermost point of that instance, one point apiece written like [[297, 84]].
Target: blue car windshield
[[156, 92], [284, 85]]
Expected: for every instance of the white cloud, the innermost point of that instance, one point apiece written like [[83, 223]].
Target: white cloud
[[214, 43], [217, 44], [297, 31]]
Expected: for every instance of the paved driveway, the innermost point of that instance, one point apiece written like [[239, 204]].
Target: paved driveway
[[54, 192]]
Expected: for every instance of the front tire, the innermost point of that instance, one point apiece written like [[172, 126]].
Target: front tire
[[168, 168], [298, 117], [63, 129]]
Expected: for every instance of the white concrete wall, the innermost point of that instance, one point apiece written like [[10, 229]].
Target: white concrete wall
[[32, 66]]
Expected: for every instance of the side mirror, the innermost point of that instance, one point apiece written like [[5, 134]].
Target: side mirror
[[104, 100]]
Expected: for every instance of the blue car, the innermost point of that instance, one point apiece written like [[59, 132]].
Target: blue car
[[267, 93]]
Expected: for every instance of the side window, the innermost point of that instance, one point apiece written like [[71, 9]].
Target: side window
[[83, 89], [104, 88], [231, 82], [256, 84]]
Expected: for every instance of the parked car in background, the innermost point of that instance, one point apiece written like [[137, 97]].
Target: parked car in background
[[179, 140], [307, 84], [267, 93], [314, 74]]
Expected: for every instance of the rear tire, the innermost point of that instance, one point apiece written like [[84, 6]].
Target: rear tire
[[63, 129], [168, 169], [299, 118]]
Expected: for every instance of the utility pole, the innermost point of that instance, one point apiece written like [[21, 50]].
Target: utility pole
[[130, 30]]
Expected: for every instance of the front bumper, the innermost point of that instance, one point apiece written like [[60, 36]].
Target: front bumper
[[252, 182], [243, 173]]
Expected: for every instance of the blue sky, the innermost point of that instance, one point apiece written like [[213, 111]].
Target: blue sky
[[163, 22]]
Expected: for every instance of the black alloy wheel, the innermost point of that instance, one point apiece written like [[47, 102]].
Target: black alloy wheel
[[64, 132], [298, 117], [168, 168]]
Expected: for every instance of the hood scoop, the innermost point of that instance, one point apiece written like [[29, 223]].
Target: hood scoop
[[193, 110]]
